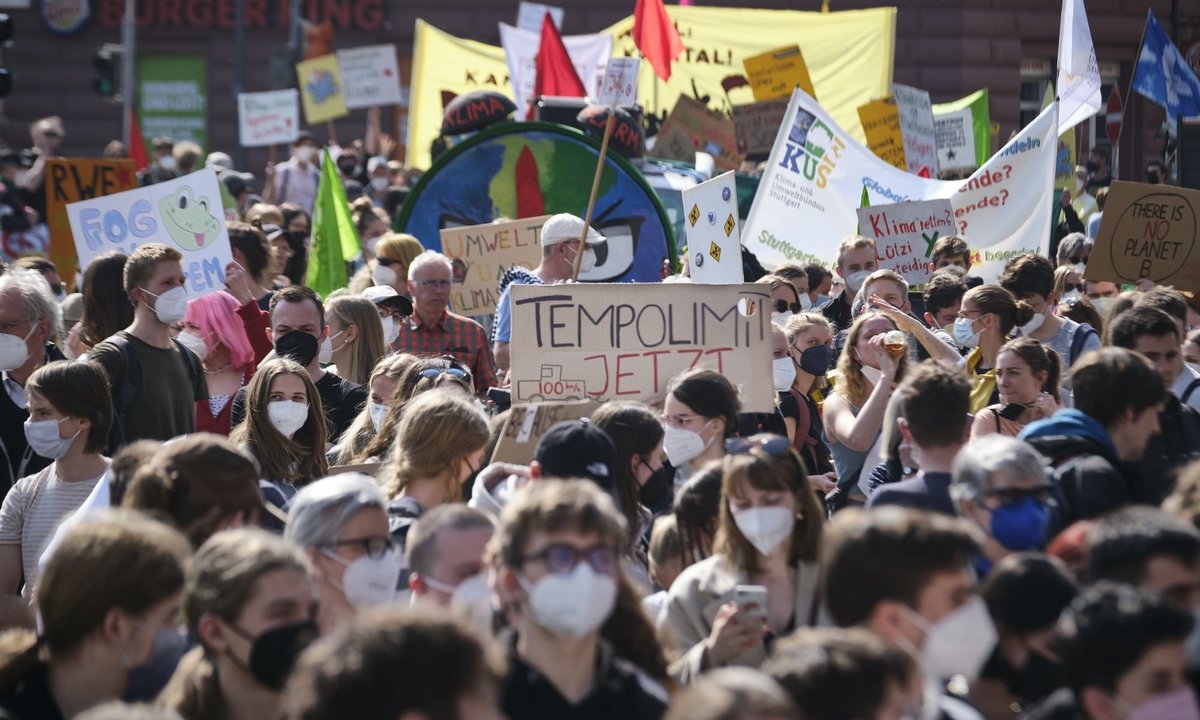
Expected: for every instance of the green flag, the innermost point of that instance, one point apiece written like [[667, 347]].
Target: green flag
[[334, 238], [863, 202]]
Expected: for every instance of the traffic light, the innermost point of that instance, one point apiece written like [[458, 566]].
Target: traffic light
[[6, 35], [108, 71]]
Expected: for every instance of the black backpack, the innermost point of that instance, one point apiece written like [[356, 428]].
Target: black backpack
[[131, 378]]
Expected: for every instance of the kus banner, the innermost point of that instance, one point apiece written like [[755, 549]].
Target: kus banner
[[626, 341], [817, 173]]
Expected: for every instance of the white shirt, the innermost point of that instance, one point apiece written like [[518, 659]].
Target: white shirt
[[16, 393], [1180, 386]]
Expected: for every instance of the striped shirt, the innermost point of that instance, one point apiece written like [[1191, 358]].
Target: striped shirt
[[33, 509], [453, 335]]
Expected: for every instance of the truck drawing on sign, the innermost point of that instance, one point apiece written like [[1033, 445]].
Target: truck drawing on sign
[[551, 386]]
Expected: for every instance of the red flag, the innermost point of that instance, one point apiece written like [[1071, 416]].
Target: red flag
[[555, 72], [655, 35], [137, 148]]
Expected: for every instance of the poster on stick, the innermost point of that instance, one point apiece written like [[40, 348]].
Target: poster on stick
[[711, 224], [756, 124], [905, 234], [70, 180], [184, 214], [481, 254], [919, 131], [775, 73], [619, 88], [525, 426], [692, 127], [881, 123], [321, 89], [1148, 231], [626, 341], [268, 118], [370, 76]]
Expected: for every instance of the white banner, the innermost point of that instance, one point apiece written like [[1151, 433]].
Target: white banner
[[268, 118], [917, 128], [370, 76], [1078, 83], [589, 53], [184, 213], [809, 196]]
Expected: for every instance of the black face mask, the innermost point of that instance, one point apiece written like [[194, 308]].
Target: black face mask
[[274, 652], [1153, 177], [815, 360], [1092, 167], [298, 346], [1039, 679], [656, 489]]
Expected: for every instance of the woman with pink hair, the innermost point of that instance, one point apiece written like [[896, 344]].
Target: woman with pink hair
[[220, 336]]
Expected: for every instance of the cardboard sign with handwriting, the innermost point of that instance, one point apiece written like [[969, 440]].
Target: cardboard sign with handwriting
[[757, 124], [692, 127], [626, 341], [775, 73], [1148, 231], [526, 424], [480, 254], [905, 234], [70, 180], [881, 122], [268, 118]]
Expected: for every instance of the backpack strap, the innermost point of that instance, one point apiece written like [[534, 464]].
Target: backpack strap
[[131, 377], [1191, 388], [190, 360], [283, 186], [1082, 334]]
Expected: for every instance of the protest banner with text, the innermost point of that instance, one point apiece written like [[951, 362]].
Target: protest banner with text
[[917, 128], [774, 74], [816, 175], [481, 254], [963, 131], [692, 127], [1148, 231], [525, 426], [881, 122], [184, 213], [589, 54], [626, 341], [268, 118], [370, 76], [905, 234], [756, 124], [711, 226], [70, 180], [321, 89]]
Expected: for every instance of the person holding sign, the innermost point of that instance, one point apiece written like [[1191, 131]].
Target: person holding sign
[[560, 246], [156, 380]]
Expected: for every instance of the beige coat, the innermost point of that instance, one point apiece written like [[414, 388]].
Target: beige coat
[[692, 605]]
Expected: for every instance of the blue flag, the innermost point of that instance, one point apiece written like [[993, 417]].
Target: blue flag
[[1162, 75]]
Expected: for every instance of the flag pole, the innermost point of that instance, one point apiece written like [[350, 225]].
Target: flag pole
[[587, 220]]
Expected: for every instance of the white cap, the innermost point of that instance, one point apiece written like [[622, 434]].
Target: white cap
[[219, 159], [565, 226]]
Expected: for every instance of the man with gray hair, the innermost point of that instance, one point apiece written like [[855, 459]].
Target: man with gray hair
[[30, 324], [432, 330], [1074, 249], [445, 554], [1000, 484]]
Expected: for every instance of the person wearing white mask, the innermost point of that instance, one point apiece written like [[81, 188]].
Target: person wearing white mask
[[906, 575], [856, 260], [163, 167], [284, 429], [1102, 295], [385, 378], [70, 416], [295, 180], [387, 266], [445, 554], [555, 574], [380, 179], [355, 341], [560, 240], [786, 300], [762, 579], [30, 321], [700, 413], [393, 308], [340, 524], [986, 320], [156, 380]]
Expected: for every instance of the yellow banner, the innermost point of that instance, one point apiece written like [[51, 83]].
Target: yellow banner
[[848, 54]]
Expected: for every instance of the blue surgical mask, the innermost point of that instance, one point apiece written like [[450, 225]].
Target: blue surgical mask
[[964, 333], [1021, 526]]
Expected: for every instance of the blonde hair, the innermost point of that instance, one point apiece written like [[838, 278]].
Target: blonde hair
[[298, 459], [801, 322], [264, 214], [853, 242], [851, 383], [360, 433], [402, 247], [436, 429], [369, 347]]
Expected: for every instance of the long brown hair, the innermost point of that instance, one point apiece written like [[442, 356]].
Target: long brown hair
[[411, 384], [436, 430], [634, 430], [298, 459], [106, 308], [1039, 358], [851, 383], [362, 431], [368, 347]]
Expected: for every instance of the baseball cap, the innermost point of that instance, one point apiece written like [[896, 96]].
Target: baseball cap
[[220, 160], [565, 226], [236, 182], [387, 296], [578, 449]]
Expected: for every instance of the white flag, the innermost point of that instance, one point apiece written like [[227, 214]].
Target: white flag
[[1078, 83]]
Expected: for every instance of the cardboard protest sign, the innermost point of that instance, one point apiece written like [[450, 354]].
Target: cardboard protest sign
[[692, 127], [881, 123], [481, 254], [365, 468], [816, 175], [321, 89], [963, 131], [184, 213], [905, 234], [268, 118], [1148, 231], [756, 124], [370, 76], [917, 128], [619, 87], [70, 180], [527, 424], [589, 54], [711, 225], [626, 341], [530, 16], [774, 74]]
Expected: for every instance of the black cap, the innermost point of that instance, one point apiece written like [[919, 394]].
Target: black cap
[[236, 182], [578, 449]]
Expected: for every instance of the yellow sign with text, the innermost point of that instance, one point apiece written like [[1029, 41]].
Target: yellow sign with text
[[881, 122], [776, 73]]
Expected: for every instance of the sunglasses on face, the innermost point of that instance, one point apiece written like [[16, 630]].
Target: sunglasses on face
[[1072, 287], [1016, 496], [1078, 259], [562, 558], [388, 262], [453, 372], [784, 306]]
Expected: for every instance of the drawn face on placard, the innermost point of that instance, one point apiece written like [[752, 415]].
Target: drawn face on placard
[[188, 221], [1154, 237]]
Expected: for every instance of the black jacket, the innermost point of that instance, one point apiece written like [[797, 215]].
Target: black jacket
[[1090, 480], [1177, 445]]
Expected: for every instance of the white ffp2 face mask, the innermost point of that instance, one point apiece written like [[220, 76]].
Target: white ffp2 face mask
[[765, 527], [574, 604], [960, 642], [391, 330], [682, 445], [193, 342], [378, 415], [325, 354], [287, 416], [783, 373], [171, 306], [383, 275], [13, 350], [370, 581]]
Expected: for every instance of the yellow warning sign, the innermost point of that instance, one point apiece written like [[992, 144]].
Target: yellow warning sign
[[694, 215], [714, 250], [730, 224]]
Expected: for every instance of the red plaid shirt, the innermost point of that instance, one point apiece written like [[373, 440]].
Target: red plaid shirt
[[453, 335]]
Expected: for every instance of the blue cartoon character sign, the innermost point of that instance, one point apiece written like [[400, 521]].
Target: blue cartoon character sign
[[184, 214]]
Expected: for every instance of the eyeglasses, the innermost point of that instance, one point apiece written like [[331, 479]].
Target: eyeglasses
[[677, 421], [773, 445], [1016, 496], [562, 558], [387, 262], [784, 306], [1072, 287], [966, 314], [374, 547], [439, 284], [453, 372], [1078, 259]]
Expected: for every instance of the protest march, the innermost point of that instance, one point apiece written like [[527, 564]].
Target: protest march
[[639, 362]]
